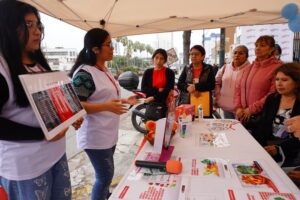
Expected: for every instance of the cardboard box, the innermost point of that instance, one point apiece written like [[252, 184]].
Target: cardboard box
[[188, 109]]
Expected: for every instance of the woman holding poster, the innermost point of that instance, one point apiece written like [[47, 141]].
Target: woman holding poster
[[100, 96], [30, 166]]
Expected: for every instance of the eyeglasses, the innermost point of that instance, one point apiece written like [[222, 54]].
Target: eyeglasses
[[195, 54], [111, 45], [34, 25]]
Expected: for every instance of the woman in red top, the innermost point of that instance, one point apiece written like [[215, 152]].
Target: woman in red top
[[157, 82]]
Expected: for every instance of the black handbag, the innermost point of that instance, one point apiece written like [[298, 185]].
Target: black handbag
[[253, 123], [184, 98], [155, 111]]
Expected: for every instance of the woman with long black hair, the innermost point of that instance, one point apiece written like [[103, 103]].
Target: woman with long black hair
[[100, 96], [30, 167]]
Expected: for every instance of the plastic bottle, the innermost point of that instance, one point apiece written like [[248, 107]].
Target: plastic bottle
[[200, 112]]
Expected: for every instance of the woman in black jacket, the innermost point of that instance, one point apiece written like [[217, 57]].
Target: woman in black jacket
[[157, 83], [198, 77], [280, 106]]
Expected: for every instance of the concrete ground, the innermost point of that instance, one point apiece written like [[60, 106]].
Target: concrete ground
[[82, 174]]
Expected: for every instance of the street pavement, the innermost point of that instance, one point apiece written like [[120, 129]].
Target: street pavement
[[81, 170]]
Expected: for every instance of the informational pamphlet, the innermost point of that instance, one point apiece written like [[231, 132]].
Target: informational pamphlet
[[253, 175], [205, 167], [253, 195], [53, 100], [149, 184]]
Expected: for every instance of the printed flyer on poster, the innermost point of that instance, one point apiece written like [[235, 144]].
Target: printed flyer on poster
[[53, 101]]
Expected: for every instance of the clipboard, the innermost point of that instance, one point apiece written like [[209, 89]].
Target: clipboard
[[204, 100]]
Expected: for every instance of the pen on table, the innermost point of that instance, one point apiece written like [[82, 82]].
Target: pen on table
[[182, 188], [226, 168], [257, 166]]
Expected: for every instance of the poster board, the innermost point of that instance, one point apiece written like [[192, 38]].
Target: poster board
[[53, 100], [172, 56]]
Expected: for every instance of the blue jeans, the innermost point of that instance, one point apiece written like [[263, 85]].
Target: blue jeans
[[103, 163], [54, 184]]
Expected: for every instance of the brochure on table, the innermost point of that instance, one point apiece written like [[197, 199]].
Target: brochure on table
[[53, 100]]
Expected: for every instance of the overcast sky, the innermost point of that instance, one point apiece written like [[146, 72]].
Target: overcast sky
[[61, 34]]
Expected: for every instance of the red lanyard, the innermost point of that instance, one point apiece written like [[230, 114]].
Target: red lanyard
[[30, 69], [109, 77]]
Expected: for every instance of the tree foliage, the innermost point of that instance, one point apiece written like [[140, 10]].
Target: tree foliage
[[131, 46], [120, 64]]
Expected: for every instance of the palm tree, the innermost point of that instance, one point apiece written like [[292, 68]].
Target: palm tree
[[186, 46]]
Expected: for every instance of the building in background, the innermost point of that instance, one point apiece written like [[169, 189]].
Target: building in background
[[60, 58]]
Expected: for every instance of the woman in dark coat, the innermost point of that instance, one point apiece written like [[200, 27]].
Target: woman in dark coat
[[280, 106], [197, 77]]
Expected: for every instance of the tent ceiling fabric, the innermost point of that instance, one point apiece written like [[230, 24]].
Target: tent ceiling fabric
[[133, 17]]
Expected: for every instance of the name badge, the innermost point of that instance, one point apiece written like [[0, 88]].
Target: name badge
[[196, 80]]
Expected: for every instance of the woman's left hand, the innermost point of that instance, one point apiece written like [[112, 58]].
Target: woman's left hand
[[149, 99], [132, 100], [247, 114], [60, 135], [161, 89], [272, 150], [191, 88], [295, 176], [77, 123]]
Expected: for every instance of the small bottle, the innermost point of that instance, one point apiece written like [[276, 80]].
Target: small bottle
[[200, 112]]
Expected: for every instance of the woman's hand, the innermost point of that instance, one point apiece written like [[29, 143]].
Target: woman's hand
[[272, 150], [247, 114], [77, 123], [132, 100], [191, 88], [293, 126], [116, 107], [59, 135], [239, 113], [149, 99], [295, 176]]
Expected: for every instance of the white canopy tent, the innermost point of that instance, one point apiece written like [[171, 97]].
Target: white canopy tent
[[133, 17]]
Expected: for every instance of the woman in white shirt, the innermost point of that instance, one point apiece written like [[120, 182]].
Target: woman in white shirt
[[30, 167], [100, 96]]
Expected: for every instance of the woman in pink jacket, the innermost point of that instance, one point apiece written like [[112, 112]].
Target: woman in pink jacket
[[257, 81], [227, 78]]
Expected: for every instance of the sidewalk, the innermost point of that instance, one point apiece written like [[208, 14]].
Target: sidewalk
[[82, 173]]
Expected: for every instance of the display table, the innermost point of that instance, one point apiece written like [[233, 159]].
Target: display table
[[221, 160]]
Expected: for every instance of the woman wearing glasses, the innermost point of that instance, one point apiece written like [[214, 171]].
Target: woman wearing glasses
[[197, 77], [100, 96], [30, 167]]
